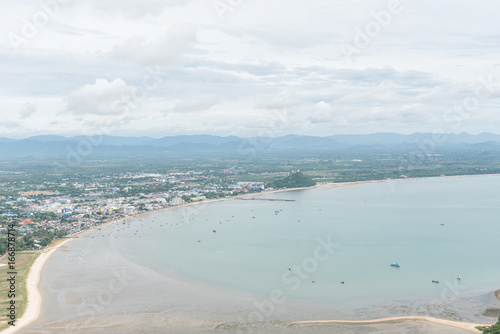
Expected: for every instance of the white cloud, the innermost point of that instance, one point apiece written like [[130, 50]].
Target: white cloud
[[28, 110], [177, 40], [197, 104], [134, 8], [322, 112], [283, 100], [385, 92], [257, 62], [102, 98], [9, 125]]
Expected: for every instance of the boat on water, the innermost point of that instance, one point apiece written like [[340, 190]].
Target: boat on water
[[395, 264]]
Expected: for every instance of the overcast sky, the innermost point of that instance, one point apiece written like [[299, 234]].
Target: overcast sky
[[248, 67]]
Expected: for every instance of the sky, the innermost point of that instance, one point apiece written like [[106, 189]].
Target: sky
[[248, 67]]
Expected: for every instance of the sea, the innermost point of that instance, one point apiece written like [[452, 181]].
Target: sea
[[253, 265]]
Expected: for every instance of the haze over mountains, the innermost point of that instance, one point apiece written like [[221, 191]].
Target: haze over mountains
[[99, 146]]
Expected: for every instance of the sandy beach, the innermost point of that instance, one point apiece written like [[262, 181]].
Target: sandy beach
[[470, 327], [331, 185], [35, 299]]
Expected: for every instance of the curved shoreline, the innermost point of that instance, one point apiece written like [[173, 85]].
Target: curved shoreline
[[470, 327], [35, 299]]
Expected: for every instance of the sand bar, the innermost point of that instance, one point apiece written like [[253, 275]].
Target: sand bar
[[470, 327], [345, 184]]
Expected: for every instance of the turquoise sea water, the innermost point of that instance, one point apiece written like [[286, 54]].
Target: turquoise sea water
[[371, 225]]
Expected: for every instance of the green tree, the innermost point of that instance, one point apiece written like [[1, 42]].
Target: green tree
[[495, 329], [45, 241], [3, 245]]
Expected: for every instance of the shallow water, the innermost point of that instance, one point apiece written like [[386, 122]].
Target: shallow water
[[151, 274], [370, 225]]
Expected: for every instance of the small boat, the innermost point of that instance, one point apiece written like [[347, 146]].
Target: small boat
[[459, 277], [395, 264], [434, 281]]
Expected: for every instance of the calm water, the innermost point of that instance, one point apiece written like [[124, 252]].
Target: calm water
[[371, 225], [170, 270]]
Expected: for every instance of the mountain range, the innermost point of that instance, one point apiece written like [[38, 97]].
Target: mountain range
[[99, 146]]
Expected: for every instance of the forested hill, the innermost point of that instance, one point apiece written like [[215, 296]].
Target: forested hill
[[294, 180]]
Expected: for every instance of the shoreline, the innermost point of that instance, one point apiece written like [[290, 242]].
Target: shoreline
[[200, 203], [35, 298], [332, 185], [327, 185], [470, 327]]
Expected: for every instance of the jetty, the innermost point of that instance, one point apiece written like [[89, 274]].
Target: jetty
[[264, 199]]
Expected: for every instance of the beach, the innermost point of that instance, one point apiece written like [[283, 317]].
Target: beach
[[470, 327], [35, 299]]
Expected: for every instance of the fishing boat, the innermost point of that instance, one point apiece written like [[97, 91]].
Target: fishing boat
[[395, 264]]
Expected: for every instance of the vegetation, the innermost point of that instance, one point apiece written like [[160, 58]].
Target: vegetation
[[35, 240], [495, 329], [294, 180], [23, 264]]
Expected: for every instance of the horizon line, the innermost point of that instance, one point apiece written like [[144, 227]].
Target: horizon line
[[285, 135]]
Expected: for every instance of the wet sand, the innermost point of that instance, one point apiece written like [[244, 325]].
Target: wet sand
[[346, 184], [470, 327]]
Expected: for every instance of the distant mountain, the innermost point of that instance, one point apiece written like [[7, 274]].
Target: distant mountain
[[301, 143], [396, 138], [47, 138], [195, 139], [104, 146], [114, 140]]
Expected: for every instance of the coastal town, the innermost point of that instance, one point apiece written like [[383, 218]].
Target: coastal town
[[59, 209], [44, 203]]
